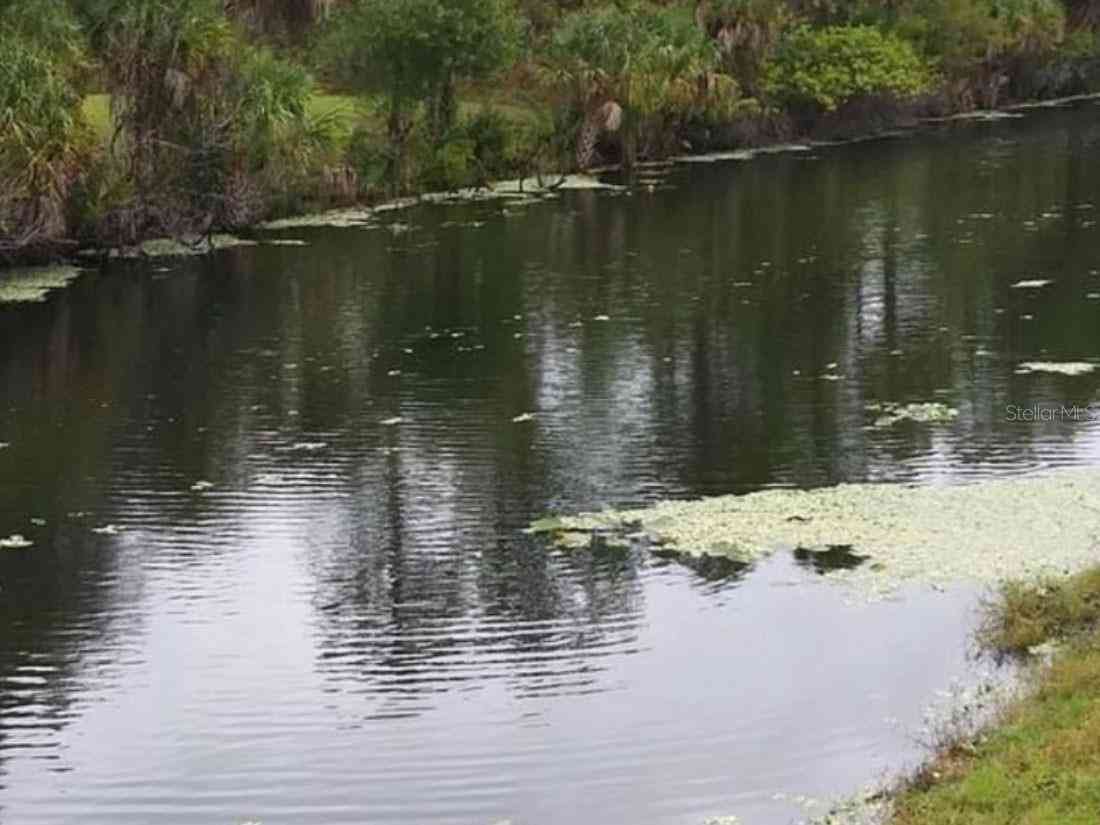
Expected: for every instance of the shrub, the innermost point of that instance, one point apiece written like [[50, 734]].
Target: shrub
[[369, 154], [980, 44], [654, 64], [825, 68], [447, 165], [414, 52], [746, 33], [43, 139]]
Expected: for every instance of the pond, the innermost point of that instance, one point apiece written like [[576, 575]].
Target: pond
[[277, 495]]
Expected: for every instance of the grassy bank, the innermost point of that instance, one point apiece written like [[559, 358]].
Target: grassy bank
[[1040, 763]]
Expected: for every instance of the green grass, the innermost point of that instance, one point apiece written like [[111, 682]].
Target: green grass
[[347, 110], [1041, 764], [1031, 614], [97, 111]]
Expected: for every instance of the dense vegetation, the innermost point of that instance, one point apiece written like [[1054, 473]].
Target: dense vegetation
[[124, 119]]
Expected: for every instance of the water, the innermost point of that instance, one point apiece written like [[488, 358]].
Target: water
[[252, 598]]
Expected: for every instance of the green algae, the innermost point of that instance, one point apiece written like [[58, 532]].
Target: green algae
[[343, 218], [515, 193], [927, 412], [984, 531], [31, 284], [1071, 368]]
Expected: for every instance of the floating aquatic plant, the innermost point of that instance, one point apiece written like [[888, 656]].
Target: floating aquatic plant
[[34, 283], [985, 531], [169, 248], [304, 447], [927, 412], [339, 218], [1059, 368]]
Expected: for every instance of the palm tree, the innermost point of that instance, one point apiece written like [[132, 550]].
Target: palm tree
[[625, 71]]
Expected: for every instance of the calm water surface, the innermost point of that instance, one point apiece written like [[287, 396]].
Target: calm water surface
[[255, 595]]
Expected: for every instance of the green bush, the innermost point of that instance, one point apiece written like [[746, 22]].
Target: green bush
[[43, 139], [982, 45], [828, 67], [490, 134], [655, 63], [369, 154], [448, 165]]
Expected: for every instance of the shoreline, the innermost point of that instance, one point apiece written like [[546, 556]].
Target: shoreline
[[544, 186]]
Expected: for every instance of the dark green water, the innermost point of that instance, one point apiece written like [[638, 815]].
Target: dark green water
[[251, 599]]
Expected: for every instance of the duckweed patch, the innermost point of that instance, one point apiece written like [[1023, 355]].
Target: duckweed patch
[[929, 412], [980, 532], [182, 248], [1059, 368], [32, 284], [517, 193]]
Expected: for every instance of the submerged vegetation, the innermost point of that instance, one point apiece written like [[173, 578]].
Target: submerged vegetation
[[122, 120]]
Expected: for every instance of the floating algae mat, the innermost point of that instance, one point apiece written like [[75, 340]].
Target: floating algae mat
[[185, 247], [982, 532], [34, 283], [518, 192], [929, 412], [1072, 368]]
